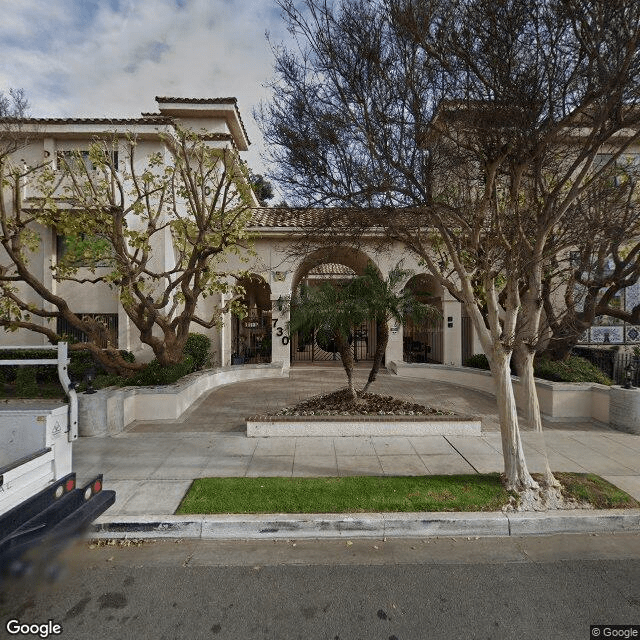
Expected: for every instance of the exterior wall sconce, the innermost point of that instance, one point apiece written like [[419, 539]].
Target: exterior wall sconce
[[283, 302], [89, 377]]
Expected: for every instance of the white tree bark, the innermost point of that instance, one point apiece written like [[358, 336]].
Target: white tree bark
[[533, 409], [515, 467]]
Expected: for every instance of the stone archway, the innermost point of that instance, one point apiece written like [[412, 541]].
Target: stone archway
[[423, 341], [336, 265], [251, 335]]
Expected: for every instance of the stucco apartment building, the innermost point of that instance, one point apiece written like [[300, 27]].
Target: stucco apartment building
[[263, 335]]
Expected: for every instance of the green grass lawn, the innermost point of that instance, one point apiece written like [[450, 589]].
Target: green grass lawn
[[483, 492]]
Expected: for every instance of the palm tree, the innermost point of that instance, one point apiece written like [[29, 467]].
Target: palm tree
[[384, 302], [337, 308]]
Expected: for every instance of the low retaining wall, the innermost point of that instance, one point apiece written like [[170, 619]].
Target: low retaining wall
[[625, 409], [259, 426], [109, 411], [559, 401]]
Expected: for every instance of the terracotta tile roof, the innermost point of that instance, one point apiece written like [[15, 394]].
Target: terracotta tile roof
[[331, 269], [287, 217], [152, 119], [216, 136], [296, 218], [147, 119], [336, 217], [233, 100], [197, 100]]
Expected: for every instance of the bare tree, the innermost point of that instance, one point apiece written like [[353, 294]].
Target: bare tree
[[195, 204], [603, 232], [466, 129], [14, 104]]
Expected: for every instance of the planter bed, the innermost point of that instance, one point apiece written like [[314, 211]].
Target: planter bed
[[354, 425]]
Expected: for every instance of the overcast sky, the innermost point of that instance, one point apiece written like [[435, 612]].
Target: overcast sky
[[107, 58]]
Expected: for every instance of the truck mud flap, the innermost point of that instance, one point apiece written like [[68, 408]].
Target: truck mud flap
[[50, 520]]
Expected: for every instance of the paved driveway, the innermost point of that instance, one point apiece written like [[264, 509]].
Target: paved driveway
[[225, 409], [152, 464]]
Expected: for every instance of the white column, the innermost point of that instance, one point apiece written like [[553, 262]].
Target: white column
[[124, 329], [280, 338], [394, 349], [226, 331], [451, 330]]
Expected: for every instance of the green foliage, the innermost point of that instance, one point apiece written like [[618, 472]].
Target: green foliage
[[81, 362], [384, 301], [26, 384], [43, 373], [82, 250], [573, 369], [112, 204], [367, 297], [261, 187], [104, 380], [46, 376], [197, 347], [156, 374], [127, 356], [331, 307], [477, 361]]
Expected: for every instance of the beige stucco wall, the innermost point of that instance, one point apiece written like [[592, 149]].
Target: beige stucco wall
[[271, 259], [559, 401]]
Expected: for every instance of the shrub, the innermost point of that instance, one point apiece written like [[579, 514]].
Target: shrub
[[155, 374], [127, 356], [573, 369], [477, 361], [26, 384], [81, 362], [43, 373], [197, 347]]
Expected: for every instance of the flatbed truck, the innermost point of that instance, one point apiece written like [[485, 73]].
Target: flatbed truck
[[41, 507]]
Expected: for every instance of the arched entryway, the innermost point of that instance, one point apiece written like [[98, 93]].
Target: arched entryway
[[422, 341], [251, 335], [336, 266]]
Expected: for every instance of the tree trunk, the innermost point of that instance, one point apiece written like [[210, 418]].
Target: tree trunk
[[347, 362], [515, 467], [565, 336], [527, 377], [381, 347]]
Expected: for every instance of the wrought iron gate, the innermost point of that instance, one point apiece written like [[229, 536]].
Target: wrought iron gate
[[467, 338], [423, 342], [318, 346]]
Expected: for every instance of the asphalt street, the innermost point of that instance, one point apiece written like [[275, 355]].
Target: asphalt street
[[394, 589]]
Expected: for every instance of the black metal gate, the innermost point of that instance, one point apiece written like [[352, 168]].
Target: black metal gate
[[467, 338], [108, 320], [423, 342], [319, 346]]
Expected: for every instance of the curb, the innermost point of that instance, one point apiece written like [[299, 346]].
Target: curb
[[366, 525]]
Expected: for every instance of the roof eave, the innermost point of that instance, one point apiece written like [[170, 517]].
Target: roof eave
[[213, 108]]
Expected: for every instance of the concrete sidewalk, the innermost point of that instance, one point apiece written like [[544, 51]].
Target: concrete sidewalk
[[152, 465]]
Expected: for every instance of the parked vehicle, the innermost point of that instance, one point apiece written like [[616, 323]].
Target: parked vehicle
[[41, 505]]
